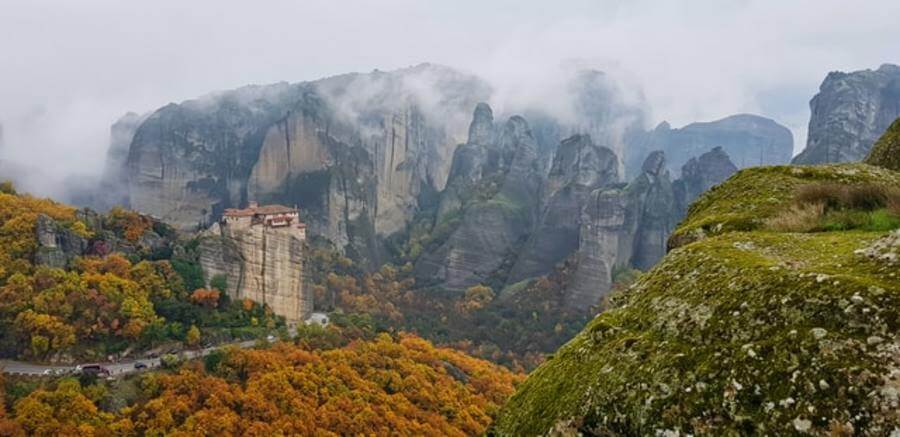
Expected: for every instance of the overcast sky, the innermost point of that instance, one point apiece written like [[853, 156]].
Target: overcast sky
[[70, 68]]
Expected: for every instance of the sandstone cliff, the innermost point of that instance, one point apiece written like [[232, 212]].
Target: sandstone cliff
[[849, 113], [358, 151], [260, 263], [749, 140]]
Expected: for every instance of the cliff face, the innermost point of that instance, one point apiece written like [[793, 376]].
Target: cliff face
[[749, 140], [493, 192], [188, 162], [359, 151], [502, 219], [701, 174], [740, 330], [261, 263], [630, 226], [579, 167], [625, 226], [849, 113]]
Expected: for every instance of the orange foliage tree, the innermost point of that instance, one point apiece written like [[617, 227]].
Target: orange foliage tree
[[400, 385], [206, 298]]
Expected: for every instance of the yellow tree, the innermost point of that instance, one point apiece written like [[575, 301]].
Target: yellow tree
[[193, 336]]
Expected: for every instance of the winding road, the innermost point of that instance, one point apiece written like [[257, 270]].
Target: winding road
[[14, 367]]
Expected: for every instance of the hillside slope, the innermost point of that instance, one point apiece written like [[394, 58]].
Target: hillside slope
[[740, 329]]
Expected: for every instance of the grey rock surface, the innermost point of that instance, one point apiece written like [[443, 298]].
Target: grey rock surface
[[749, 140], [579, 167], [850, 113]]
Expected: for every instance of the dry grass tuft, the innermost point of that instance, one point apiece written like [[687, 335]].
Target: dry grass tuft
[[864, 197], [799, 218]]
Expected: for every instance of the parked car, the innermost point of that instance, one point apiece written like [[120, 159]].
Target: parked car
[[95, 369], [139, 365]]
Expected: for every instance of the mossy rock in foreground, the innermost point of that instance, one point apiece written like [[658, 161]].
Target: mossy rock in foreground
[[748, 198], [742, 333], [886, 151]]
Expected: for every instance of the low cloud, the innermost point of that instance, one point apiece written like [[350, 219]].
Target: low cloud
[[72, 68]]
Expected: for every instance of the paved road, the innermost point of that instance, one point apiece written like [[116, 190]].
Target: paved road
[[14, 367]]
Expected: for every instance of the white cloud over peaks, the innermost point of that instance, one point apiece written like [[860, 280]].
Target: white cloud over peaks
[[69, 69]]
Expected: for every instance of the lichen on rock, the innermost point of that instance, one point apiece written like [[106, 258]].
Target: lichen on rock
[[886, 151], [743, 331]]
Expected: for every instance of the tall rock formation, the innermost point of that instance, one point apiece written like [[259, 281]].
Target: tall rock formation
[[113, 188], [699, 175], [653, 201], [494, 190], [749, 140], [849, 113], [629, 226], [357, 151], [260, 262], [579, 167]]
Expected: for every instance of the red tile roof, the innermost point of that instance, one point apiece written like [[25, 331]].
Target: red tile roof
[[274, 209], [232, 212]]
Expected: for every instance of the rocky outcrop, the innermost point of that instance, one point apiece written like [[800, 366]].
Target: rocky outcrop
[[579, 167], [260, 263], [749, 140], [494, 188], [606, 241], [624, 226], [57, 244], [743, 332], [701, 174], [849, 113], [886, 152], [357, 152], [629, 226]]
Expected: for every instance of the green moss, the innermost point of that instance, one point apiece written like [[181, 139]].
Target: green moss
[[506, 203], [741, 333], [844, 220], [748, 198], [886, 151], [513, 289]]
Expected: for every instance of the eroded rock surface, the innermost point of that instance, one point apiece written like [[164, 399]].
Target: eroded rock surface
[[749, 140], [850, 113], [579, 167], [261, 263], [494, 189]]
